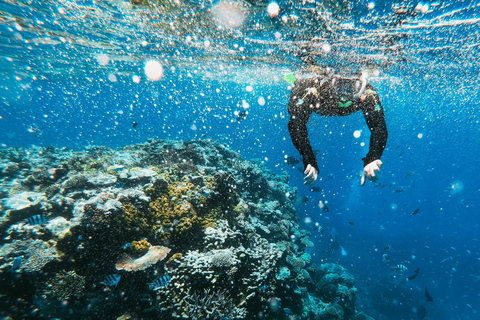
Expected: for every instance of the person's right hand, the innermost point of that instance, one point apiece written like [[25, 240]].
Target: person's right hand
[[311, 175]]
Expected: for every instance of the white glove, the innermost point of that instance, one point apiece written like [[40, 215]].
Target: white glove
[[311, 173], [369, 171]]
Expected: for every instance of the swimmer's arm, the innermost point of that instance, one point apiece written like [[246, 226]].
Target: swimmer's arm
[[375, 118]]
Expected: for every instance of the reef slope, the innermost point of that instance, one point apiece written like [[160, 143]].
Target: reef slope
[[166, 229]]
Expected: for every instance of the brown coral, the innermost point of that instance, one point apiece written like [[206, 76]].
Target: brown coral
[[154, 254]]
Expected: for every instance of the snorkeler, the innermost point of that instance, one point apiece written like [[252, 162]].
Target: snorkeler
[[328, 94]]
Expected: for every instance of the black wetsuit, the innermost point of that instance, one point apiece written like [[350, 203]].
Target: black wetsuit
[[334, 96]]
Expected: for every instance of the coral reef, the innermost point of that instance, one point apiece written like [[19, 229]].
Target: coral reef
[[221, 229]]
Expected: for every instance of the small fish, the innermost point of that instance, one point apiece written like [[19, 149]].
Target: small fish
[[126, 246], [384, 298], [115, 167], [263, 288], [301, 199], [16, 264], [318, 227], [111, 280], [387, 247], [335, 300], [37, 219], [400, 267], [134, 124], [330, 250], [385, 257], [323, 206], [242, 115], [421, 313], [414, 275], [400, 190], [351, 223], [415, 212], [159, 283], [315, 189], [344, 253], [120, 184], [287, 311], [291, 160], [206, 194], [428, 295]]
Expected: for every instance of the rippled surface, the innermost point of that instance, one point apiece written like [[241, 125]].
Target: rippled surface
[[52, 38]]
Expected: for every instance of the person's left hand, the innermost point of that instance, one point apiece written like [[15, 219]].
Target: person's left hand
[[369, 171]]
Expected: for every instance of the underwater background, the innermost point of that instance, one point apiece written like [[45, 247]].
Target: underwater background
[[74, 81]]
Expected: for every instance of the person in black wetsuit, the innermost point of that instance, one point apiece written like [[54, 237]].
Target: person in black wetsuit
[[327, 94]]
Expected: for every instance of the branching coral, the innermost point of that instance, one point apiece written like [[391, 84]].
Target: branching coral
[[211, 304]]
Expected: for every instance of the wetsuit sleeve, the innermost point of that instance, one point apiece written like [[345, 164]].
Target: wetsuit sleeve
[[375, 118], [300, 113]]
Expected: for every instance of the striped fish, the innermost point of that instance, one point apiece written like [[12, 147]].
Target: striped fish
[[111, 280], [400, 267], [335, 300], [37, 219], [159, 282]]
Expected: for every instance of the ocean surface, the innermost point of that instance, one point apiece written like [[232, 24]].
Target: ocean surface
[[74, 74]]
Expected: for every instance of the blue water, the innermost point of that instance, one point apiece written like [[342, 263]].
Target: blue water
[[430, 163]]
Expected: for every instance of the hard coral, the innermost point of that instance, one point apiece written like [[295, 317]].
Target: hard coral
[[141, 246], [66, 285]]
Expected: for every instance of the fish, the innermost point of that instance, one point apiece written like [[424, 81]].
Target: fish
[[387, 247], [428, 295], [400, 267], [134, 124], [242, 115], [421, 312], [399, 190], [263, 288], [291, 160], [206, 194], [384, 298], [318, 227], [351, 223], [385, 258], [335, 300], [16, 264], [330, 250], [37, 219], [111, 280], [287, 311], [477, 277], [120, 184], [116, 167], [301, 199], [159, 283], [315, 189], [344, 253], [323, 206], [415, 212], [413, 276]]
